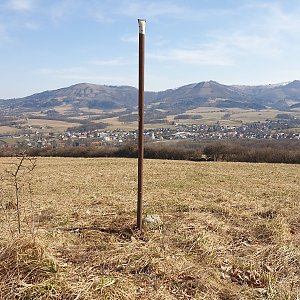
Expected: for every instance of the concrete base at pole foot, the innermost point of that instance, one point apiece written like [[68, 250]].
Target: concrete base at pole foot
[[152, 221]]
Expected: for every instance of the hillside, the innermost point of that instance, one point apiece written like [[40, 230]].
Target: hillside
[[230, 231], [115, 107], [80, 95], [187, 97]]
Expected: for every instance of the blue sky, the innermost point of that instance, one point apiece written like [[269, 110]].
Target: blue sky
[[49, 44]]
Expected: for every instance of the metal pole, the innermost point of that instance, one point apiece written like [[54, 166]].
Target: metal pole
[[142, 24]]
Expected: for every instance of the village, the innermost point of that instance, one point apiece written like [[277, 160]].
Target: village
[[36, 136]]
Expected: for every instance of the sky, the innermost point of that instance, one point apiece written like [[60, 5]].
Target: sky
[[50, 44]]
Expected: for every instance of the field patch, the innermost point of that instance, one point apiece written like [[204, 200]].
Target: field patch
[[229, 231], [8, 130], [59, 125]]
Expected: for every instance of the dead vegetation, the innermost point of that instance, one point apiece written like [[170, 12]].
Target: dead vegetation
[[230, 231]]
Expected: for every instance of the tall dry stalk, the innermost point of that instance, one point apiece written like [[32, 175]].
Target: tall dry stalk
[[20, 175]]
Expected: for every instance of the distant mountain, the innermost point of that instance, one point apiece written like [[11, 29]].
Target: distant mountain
[[275, 96], [80, 95], [209, 93], [212, 93]]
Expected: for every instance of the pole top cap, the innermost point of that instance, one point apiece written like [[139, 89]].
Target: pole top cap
[[142, 25]]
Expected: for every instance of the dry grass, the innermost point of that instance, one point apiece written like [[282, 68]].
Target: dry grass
[[230, 231], [8, 130], [59, 125], [210, 115]]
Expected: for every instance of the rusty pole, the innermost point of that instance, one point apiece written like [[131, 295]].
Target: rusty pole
[[142, 24]]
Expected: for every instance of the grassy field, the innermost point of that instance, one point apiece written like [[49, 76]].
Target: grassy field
[[229, 231], [58, 125], [8, 130]]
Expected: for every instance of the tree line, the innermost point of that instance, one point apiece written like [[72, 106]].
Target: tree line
[[259, 151]]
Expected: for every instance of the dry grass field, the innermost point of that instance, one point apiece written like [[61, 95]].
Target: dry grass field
[[230, 116], [7, 130], [58, 125], [230, 231]]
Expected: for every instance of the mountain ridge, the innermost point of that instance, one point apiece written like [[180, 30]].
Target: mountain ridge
[[281, 96]]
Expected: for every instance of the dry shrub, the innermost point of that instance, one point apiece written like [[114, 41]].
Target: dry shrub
[[26, 272]]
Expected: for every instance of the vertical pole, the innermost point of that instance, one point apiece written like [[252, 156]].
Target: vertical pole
[[142, 24]]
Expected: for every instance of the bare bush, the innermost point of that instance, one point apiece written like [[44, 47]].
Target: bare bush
[[19, 177]]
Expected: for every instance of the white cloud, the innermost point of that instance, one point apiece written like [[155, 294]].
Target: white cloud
[[265, 37], [130, 38], [31, 26], [243, 43], [276, 17], [151, 9], [194, 56], [110, 62], [3, 33], [63, 9], [278, 21], [102, 18], [260, 36], [270, 34], [70, 8], [164, 8], [21, 5], [223, 49]]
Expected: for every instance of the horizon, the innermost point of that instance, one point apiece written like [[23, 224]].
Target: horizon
[[175, 88], [51, 45]]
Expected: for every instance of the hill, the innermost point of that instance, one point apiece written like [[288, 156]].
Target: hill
[[79, 95], [209, 93], [230, 231]]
